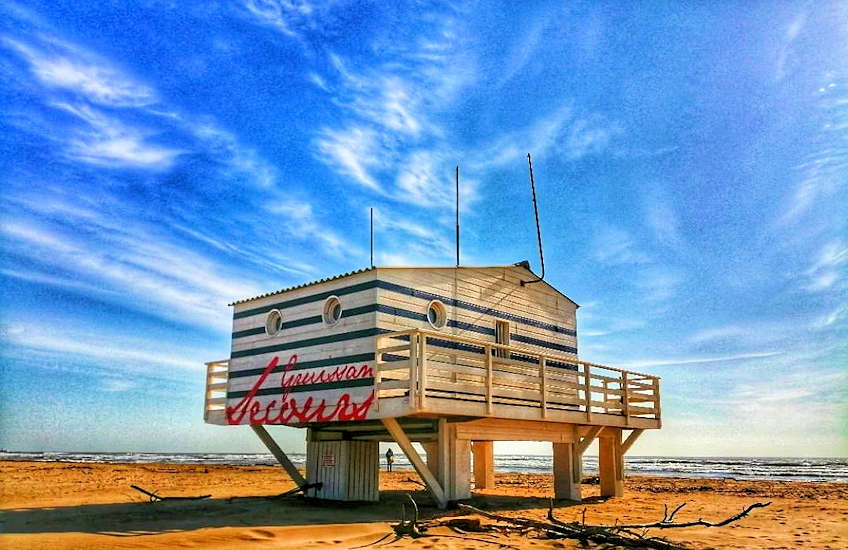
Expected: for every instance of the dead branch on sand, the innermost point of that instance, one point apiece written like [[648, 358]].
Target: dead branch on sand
[[156, 498], [619, 534]]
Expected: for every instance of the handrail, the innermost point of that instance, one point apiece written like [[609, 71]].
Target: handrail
[[492, 378], [509, 347]]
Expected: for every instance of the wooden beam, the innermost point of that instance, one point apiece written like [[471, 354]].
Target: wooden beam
[[278, 453], [588, 439], [400, 438], [631, 439]]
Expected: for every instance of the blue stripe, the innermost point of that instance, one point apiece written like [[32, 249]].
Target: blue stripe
[[407, 291], [398, 312]]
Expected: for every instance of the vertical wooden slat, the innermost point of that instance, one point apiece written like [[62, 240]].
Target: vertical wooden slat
[[543, 365], [413, 369], [422, 371], [657, 409], [587, 389], [625, 402], [489, 405]]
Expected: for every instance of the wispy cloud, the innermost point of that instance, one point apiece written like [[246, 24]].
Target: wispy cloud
[[694, 360], [106, 141], [68, 67], [784, 58], [115, 351], [165, 279], [615, 246], [821, 172], [282, 15], [827, 269]]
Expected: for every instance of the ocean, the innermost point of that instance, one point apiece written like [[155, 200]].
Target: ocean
[[763, 468]]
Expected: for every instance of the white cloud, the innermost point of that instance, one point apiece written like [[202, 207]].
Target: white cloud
[[352, 151], [109, 349], [106, 141], [299, 221], [117, 385], [825, 272], [615, 246], [165, 279], [58, 64], [282, 15], [694, 360]]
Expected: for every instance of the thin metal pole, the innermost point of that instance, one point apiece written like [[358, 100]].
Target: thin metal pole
[[457, 216], [536, 211], [372, 237]]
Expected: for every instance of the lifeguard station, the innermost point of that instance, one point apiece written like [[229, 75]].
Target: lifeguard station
[[452, 357]]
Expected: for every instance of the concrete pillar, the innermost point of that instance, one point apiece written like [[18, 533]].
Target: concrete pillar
[[484, 464], [459, 471], [566, 476], [611, 463]]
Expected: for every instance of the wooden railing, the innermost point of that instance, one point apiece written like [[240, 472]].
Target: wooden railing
[[216, 387], [424, 364]]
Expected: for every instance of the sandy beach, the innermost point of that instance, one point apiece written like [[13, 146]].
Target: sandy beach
[[76, 505]]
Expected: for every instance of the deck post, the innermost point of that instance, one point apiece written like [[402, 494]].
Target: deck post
[[484, 464], [611, 463], [566, 478], [459, 485], [278, 453], [397, 433]]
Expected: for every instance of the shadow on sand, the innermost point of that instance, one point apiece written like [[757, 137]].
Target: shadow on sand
[[145, 518]]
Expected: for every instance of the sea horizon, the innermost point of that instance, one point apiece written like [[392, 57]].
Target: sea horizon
[[770, 468]]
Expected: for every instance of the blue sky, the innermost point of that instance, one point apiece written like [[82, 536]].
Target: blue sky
[[158, 160]]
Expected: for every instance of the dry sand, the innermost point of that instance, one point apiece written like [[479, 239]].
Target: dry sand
[[62, 505]]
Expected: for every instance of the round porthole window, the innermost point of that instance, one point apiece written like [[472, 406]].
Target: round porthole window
[[273, 322], [332, 310], [437, 315]]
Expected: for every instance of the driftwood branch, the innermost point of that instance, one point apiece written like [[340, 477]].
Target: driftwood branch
[[156, 498], [667, 521]]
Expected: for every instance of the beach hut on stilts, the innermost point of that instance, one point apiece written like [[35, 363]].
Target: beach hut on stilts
[[454, 358]]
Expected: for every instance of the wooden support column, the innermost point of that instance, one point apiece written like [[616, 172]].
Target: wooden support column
[[405, 444], [431, 449], [484, 464], [566, 480], [278, 453], [459, 451], [611, 463]]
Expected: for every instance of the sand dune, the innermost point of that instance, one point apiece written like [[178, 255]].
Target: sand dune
[[63, 505]]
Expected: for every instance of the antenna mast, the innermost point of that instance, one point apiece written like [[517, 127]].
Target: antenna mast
[[372, 236], [457, 216], [538, 230]]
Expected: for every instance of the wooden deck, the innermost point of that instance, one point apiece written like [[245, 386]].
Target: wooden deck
[[421, 373], [426, 373]]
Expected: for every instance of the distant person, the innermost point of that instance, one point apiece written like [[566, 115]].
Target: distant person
[[390, 459]]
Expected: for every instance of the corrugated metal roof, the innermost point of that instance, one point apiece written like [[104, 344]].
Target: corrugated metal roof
[[525, 264]]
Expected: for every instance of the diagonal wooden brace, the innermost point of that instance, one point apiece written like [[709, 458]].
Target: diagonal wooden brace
[[588, 439], [278, 453], [405, 444], [631, 439]]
